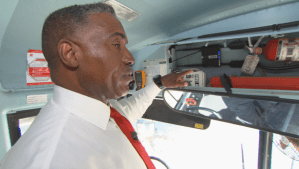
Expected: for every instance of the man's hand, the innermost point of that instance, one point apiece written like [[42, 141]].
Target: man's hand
[[175, 79]]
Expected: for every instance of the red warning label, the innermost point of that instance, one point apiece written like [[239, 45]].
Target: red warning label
[[38, 72]]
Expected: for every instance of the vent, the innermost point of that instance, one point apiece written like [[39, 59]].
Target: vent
[[121, 10]]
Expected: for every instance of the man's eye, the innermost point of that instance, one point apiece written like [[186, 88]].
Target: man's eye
[[117, 45]]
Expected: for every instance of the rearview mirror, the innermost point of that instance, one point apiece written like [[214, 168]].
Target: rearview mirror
[[265, 113]]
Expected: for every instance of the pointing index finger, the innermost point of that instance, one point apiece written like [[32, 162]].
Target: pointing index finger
[[185, 73]]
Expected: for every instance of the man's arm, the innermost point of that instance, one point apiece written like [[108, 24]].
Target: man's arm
[[135, 106]]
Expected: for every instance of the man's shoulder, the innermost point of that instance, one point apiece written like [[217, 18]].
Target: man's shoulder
[[35, 148]]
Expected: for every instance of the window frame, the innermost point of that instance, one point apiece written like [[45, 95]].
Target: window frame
[[13, 123]]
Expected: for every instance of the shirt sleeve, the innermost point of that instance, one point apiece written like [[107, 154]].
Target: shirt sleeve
[[135, 106]]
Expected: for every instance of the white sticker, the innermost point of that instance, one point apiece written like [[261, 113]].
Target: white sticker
[[250, 64], [32, 99], [153, 68], [288, 50], [37, 72]]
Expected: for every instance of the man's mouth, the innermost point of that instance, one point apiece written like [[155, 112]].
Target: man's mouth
[[130, 73], [128, 78]]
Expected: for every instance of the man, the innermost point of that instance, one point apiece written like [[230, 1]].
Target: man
[[85, 47]]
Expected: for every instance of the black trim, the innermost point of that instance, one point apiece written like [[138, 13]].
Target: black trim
[[275, 27], [159, 111], [265, 150], [159, 97], [251, 30], [13, 123]]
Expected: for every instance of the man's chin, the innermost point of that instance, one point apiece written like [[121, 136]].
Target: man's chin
[[126, 93], [123, 93]]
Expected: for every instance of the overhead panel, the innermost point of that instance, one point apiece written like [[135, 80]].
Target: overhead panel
[[157, 21]]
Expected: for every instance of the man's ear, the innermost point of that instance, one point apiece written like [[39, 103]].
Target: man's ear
[[68, 53]]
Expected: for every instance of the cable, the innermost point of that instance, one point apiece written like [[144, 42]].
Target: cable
[[278, 68], [238, 64], [161, 161], [187, 55], [262, 71], [250, 30]]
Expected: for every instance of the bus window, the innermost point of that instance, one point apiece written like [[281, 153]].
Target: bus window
[[222, 145]]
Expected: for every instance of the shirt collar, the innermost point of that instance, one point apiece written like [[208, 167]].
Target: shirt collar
[[87, 108]]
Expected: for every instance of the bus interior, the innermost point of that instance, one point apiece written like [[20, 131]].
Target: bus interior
[[255, 44]]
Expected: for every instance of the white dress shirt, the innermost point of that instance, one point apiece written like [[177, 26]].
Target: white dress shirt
[[76, 131]]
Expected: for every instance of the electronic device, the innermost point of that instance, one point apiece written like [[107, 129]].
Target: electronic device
[[139, 79], [211, 56], [196, 78]]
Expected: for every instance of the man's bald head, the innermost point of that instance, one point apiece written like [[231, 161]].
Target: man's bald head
[[63, 23]]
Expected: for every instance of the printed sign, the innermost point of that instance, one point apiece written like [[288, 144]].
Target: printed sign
[[288, 50], [37, 72], [153, 68], [32, 99]]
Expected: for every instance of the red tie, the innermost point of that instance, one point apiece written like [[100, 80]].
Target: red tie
[[127, 128]]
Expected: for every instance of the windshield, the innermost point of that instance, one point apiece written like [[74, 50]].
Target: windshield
[[219, 146], [222, 145]]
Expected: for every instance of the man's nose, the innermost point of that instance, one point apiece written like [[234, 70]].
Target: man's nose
[[128, 59]]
